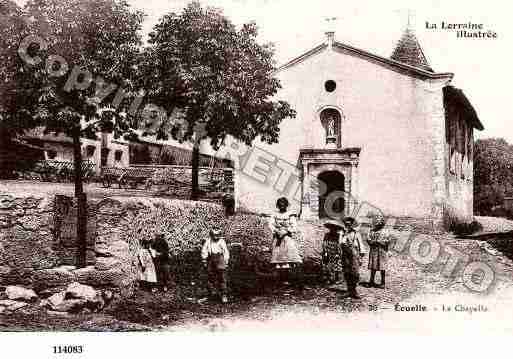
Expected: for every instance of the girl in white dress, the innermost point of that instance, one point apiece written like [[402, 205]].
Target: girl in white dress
[[147, 272], [285, 253]]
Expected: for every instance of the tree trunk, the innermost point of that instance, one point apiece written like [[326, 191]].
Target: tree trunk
[[195, 171], [81, 199]]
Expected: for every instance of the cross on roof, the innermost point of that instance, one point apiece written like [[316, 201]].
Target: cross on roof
[[410, 16], [330, 21]]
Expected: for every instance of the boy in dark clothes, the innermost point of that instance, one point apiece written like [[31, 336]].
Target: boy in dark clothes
[[352, 253], [162, 261]]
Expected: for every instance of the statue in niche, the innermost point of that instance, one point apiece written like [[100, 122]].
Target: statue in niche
[[331, 127], [331, 122]]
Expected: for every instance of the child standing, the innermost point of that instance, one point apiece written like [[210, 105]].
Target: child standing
[[147, 272], [352, 253], [162, 261], [331, 260], [285, 253], [378, 251], [215, 257]]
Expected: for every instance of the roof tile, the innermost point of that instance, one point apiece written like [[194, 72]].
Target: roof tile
[[408, 51]]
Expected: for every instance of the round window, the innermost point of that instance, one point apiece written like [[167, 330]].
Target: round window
[[330, 85]]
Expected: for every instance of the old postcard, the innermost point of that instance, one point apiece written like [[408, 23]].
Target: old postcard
[[255, 166]]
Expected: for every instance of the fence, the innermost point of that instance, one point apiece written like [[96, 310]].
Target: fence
[[57, 171], [143, 154], [171, 180]]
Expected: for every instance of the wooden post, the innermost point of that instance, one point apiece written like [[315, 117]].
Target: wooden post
[[81, 200], [195, 171]]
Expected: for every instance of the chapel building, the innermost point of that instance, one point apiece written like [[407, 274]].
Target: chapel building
[[389, 132]]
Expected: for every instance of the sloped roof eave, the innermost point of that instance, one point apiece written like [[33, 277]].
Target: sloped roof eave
[[405, 68], [459, 96], [302, 57]]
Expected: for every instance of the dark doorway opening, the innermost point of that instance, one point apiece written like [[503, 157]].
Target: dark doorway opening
[[334, 181]]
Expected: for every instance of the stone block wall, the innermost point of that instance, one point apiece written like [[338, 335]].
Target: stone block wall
[[32, 253], [65, 230], [26, 237], [215, 182]]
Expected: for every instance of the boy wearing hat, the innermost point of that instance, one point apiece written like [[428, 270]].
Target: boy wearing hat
[[215, 257], [352, 253]]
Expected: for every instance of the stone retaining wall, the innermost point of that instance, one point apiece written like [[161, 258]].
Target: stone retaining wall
[[32, 255]]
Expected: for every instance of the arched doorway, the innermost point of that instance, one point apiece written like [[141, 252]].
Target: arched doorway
[[334, 181]]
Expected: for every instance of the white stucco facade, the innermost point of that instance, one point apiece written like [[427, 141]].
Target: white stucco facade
[[391, 146]]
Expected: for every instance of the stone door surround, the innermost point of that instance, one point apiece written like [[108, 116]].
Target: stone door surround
[[313, 162]]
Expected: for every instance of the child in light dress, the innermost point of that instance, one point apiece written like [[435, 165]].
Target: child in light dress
[[379, 241], [331, 256], [147, 273]]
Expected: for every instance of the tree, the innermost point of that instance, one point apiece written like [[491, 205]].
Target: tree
[[64, 48], [213, 79], [11, 26], [493, 173]]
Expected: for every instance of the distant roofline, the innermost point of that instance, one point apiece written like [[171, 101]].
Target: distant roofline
[[389, 63]]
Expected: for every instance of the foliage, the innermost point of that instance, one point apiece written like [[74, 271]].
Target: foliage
[[463, 228], [493, 173], [215, 74], [98, 36], [500, 211], [63, 47], [11, 26], [213, 79]]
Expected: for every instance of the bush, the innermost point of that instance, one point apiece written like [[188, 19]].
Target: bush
[[499, 211], [463, 228]]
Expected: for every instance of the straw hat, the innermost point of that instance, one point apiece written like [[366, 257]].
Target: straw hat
[[333, 223]]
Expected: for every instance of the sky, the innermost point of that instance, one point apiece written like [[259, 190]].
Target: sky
[[481, 66]]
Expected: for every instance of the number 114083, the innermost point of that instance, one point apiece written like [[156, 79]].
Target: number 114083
[[68, 349]]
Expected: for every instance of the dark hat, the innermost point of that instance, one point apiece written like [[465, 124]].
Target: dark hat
[[283, 200], [215, 232], [378, 222], [350, 221], [333, 223]]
